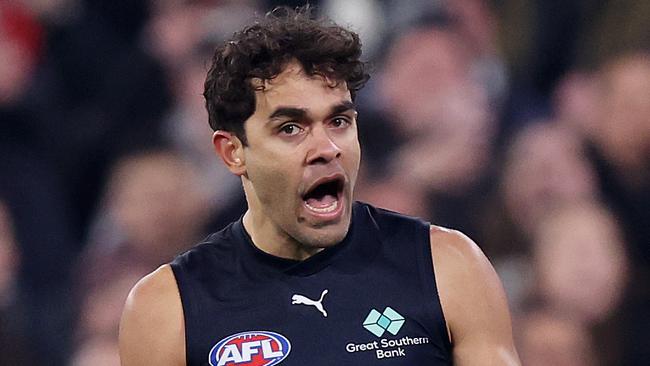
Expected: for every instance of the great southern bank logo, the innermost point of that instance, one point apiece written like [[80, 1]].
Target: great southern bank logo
[[389, 347], [253, 348], [377, 323]]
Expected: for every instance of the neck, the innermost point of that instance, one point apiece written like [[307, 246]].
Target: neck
[[272, 240]]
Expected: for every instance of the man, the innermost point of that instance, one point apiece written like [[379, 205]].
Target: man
[[307, 276]]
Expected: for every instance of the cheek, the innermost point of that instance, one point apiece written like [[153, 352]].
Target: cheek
[[272, 179], [353, 158]]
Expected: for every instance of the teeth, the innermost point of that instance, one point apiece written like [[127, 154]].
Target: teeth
[[327, 209]]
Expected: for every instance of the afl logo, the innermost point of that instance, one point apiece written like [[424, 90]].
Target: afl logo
[[253, 348]]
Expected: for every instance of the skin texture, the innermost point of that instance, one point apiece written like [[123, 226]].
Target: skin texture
[[473, 301], [152, 329], [287, 153], [284, 157]]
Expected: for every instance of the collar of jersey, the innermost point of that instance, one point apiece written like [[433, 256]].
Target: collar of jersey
[[357, 246]]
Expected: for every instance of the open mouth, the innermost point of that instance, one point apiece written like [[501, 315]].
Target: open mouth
[[325, 195]]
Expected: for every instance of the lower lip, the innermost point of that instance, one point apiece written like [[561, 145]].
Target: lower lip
[[333, 212]]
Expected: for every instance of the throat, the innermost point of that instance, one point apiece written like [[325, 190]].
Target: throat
[[270, 240]]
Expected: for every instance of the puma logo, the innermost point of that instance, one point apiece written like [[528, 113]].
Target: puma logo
[[300, 299]]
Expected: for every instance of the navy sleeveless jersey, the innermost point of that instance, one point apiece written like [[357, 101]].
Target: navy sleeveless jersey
[[369, 300]]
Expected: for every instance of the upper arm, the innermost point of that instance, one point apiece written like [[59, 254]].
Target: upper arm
[[473, 301], [152, 326]]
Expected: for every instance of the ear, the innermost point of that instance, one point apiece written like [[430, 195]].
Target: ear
[[231, 150]]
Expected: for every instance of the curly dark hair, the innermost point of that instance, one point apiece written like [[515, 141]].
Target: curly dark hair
[[263, 49]]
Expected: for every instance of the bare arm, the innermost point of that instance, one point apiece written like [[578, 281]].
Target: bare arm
[[152, 327], [473, 301]]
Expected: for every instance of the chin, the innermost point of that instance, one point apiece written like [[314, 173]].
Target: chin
[[324, 237]]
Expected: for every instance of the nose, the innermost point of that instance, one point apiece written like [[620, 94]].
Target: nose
[[322, 148]]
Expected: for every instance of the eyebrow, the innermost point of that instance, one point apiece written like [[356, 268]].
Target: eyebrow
[[343, 107], [290, 112], [301, 113]]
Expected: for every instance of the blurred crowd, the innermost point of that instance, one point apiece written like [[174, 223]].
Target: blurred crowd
[[523, 123]]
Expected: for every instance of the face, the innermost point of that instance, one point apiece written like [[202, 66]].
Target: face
[[545, 168], [301, 162], [581, 261], [624, 124], [157, 201], [545, 339]]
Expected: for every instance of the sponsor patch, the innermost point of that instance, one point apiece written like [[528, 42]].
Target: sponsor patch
[[378, 324], [252, 348]]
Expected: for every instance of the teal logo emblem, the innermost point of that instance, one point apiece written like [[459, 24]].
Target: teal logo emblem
[[377, 323]]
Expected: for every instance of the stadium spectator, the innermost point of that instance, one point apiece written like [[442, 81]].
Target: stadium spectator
[[543, 338]]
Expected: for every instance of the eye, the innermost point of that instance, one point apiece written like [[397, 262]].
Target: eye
[[290, 129], [339, 122]]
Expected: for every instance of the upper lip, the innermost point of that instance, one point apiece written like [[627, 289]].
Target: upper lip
[[325, 179]]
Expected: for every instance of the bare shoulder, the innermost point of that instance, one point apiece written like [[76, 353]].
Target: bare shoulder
[[457, 257], [473, 301], [152, 326]]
